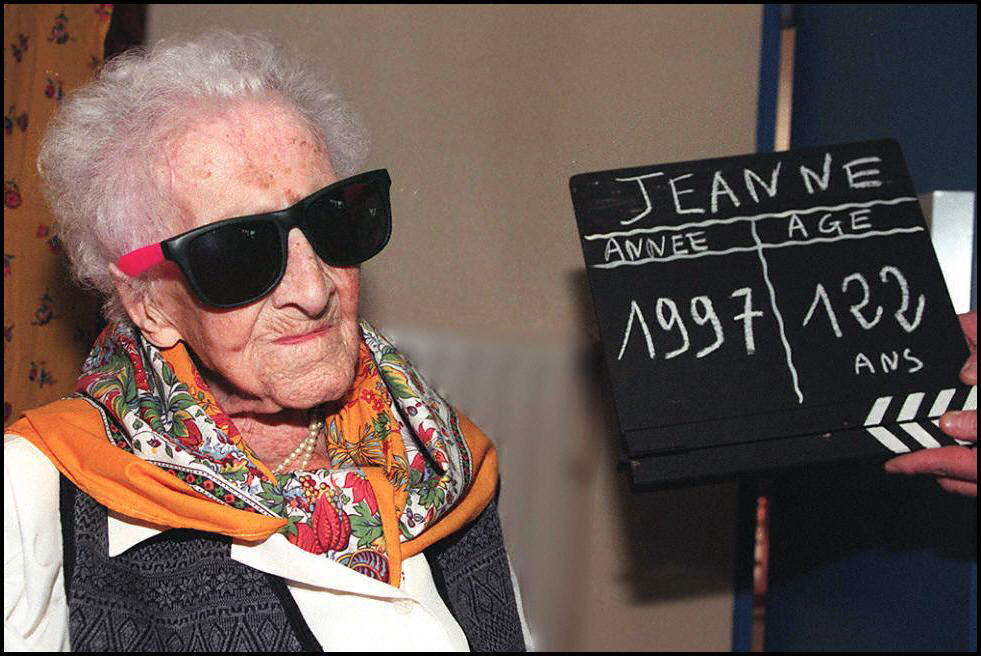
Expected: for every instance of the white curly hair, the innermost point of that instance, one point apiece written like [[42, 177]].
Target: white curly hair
[[97, 159]]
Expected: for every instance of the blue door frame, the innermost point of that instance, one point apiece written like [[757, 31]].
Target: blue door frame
[[858, 559]]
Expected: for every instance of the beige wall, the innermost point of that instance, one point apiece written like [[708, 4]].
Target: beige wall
[[481, 114]]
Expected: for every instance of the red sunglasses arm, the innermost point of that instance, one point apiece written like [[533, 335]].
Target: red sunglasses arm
[[136, 262]]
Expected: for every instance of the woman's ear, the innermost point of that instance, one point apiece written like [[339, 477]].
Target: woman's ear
[[144, 311]]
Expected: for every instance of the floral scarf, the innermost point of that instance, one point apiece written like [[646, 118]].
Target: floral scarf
[[399, 459]]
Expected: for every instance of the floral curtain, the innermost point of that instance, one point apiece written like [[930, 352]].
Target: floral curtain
[[48, 323]]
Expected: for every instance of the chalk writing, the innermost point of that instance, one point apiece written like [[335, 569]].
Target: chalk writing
[[726, 289], [747, 317], [908, 326], [779, 317], [692, 193], [707, 315], [643, 190], [829, 224], [821, 295], [655, 248], [770, 215], [857, 309], [702, 313], [750, 176], [673, 319], [801, 227], [888, 362]]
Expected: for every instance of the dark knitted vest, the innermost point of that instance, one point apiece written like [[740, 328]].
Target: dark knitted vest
[[181, 591]]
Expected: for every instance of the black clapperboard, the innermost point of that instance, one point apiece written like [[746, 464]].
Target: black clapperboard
[[770, 310]]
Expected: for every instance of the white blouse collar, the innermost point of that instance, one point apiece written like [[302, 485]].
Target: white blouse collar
[[275, 555]]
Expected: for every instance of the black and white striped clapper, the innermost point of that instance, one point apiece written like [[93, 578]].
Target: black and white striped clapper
[[893, 420]]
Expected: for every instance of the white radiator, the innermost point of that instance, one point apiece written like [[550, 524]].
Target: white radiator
[[527, 396]]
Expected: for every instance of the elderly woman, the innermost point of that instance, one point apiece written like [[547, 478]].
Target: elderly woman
[[244, 465]]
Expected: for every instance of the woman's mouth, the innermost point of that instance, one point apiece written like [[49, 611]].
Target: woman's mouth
[[303, 337]]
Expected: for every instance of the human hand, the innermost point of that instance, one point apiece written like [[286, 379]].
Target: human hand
[[955, 467]]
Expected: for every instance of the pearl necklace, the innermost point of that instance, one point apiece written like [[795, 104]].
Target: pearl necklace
[[305, 447]]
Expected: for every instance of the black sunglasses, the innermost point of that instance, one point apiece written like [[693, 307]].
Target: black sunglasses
[[236, 261]]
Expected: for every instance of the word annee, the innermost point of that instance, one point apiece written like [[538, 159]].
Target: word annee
[[654, 247]]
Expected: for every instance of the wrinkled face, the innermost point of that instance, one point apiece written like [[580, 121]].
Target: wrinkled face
[[297, 346]]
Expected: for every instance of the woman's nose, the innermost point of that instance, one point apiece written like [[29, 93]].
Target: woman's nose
[[306, 283]]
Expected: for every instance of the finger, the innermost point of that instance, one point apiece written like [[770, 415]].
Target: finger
[[946, 462], [964, 488], [969, 324], [969, 372], [960, 424]]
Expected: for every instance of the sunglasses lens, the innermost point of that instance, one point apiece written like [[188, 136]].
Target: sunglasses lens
[[351, 224], [235, 264]]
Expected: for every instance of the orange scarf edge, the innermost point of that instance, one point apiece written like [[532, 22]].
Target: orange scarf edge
[[70, 433], [477, 497]]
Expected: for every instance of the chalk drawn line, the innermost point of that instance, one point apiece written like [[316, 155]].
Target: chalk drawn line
[[757, 217], [776, 313], [746, 249]]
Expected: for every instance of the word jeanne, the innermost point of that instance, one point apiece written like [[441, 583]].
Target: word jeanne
[[702, 313], [687, 199]]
